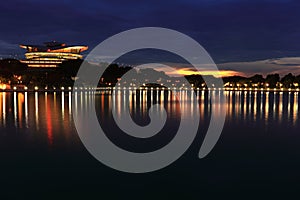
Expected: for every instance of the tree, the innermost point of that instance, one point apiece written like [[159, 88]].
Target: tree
[[288, 80], [272, 80], [257, 78]]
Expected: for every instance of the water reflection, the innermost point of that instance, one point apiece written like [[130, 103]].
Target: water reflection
[[36, 113], [242, 106], [36, 100], [51, 113], [280, 107], [3, 107]]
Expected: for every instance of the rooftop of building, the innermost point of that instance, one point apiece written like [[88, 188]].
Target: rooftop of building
[[52, 46]]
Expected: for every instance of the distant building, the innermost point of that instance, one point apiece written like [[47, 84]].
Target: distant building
[[51, 54]]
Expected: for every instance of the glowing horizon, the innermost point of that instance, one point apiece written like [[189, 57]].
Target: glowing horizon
[[220, 73]]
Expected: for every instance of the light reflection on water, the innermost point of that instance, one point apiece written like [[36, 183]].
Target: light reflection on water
[[39, 142], [51, 113]]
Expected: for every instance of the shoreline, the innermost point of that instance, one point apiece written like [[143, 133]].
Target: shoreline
[[153, 89]]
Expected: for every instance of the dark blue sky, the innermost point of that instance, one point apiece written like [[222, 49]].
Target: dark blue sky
[[230, 30]]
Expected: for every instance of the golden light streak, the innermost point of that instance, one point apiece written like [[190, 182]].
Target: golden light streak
[[20, 103], [295, 108], [36, 100], [63, 105], [70, 104], [188, 71], [267, 106], [15, 108], [4, 107], [280, 106]]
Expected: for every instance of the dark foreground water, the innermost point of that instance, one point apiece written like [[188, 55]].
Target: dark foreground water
[[257, 155]]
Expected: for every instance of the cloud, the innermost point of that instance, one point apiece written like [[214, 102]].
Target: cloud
[[179, 70], [281, 66], [230, 30], [278, 65], [9, 50], [8, 46]]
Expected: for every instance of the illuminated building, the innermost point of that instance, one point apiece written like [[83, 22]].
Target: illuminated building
[[51, 54]]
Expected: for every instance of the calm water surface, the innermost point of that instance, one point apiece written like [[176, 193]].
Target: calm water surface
[[258, 152]]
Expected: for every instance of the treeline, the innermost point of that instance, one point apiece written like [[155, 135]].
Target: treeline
[[256, 81], [14, 72], [270, 81]]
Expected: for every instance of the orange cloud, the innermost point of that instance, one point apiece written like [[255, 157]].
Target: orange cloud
[[188, 71]]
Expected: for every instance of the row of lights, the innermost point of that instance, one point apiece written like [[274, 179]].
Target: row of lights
[[278, 84], [163, 88], [226, 88], [264, 89], [46, 88]]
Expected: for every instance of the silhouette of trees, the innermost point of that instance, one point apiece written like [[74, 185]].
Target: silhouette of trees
[[272, 80], [288, 80], [14, 72]]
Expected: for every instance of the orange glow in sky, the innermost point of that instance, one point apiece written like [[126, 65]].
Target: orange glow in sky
[[187, 71]]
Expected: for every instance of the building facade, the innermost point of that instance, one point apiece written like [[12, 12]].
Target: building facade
[[51, 54]]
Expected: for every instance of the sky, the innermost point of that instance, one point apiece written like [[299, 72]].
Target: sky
[[244, 36]]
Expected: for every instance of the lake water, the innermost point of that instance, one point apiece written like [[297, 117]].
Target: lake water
[[257, 153]]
